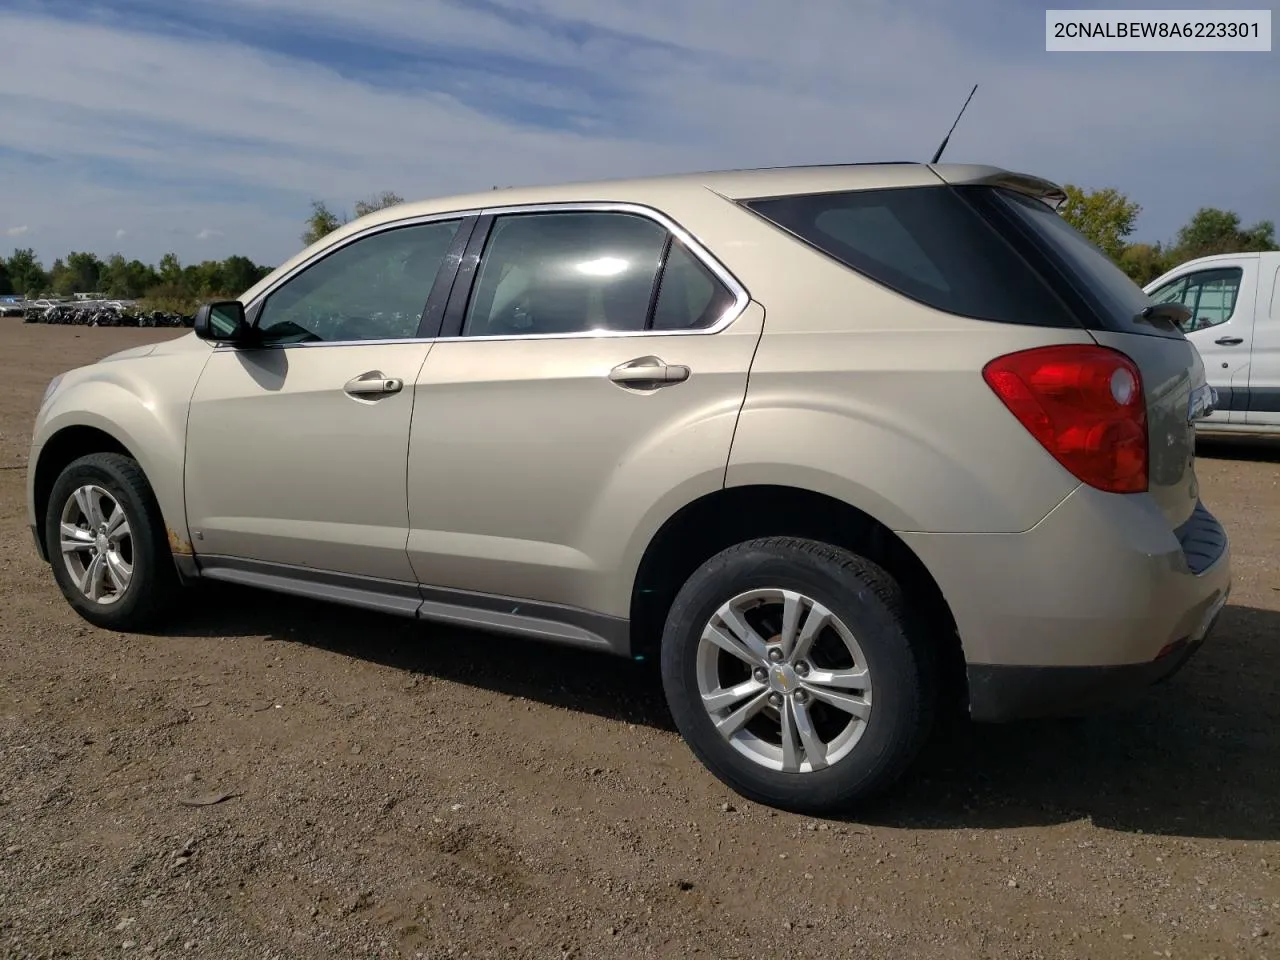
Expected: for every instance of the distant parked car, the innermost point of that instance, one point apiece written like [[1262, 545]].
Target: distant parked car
[[1234, 322], [834, 444]]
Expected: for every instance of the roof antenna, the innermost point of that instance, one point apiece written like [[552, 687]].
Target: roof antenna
[[943, 145]]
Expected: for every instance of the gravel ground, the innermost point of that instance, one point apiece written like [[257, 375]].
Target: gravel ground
[[274, 778]]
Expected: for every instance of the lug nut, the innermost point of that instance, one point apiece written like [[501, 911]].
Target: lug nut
[[802, 669], [775, 699], [761, 674], [801, 696], [775, 654]]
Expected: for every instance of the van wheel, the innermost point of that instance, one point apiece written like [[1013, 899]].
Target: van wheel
[[106, 543], [792, 673]]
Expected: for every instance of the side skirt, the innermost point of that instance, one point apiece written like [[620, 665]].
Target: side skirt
[[549, 622]]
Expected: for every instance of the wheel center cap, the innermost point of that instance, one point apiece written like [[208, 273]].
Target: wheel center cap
[[100, 542], [782, 679]]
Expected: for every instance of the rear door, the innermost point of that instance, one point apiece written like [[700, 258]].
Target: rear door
[[1221, 299], [591, 370]]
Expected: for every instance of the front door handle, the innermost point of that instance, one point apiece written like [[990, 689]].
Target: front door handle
[[373, 384], [649, 372], [1229, 341]]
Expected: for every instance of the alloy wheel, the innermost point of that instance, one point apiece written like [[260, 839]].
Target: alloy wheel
[[784, 680], [96, 544]]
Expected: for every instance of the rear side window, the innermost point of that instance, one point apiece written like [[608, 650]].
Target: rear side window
[[690, 296], [926, 243]]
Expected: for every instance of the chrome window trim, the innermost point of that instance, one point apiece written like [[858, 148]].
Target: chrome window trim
[[741, 298], [415, 221], [740, 295]]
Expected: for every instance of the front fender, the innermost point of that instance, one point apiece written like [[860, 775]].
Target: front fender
[[142, 404]]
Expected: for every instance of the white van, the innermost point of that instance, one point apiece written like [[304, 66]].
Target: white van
[[1234, 299]]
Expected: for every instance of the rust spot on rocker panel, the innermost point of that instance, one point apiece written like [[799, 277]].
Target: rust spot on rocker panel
[[178, 545]]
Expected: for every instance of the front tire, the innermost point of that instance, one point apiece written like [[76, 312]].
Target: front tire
[[106, 543], [793, 672]]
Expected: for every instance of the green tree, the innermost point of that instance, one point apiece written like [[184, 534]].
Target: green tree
[[127, 280], [61, 279], [1143, 262], [86, 271], [380, 202], [1213, 231], [6, 285], [241, 273], [114, 276], [203, 280], [1105, 216], [321, 223], [170, 269], [26, 274]]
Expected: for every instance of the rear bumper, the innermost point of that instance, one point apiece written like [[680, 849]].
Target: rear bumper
[[1096, 602], [998, 693]]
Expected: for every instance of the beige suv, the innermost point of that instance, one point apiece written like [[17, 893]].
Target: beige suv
[[840, 445]]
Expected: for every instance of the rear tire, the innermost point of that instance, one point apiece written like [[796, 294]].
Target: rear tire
[[107, 544], [837, 689]]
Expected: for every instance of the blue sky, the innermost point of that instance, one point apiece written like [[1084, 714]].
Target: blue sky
[[206, 127]]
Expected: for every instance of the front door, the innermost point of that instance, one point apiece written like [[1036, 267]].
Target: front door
[[591, 384], [297, 448], [1221, 300]]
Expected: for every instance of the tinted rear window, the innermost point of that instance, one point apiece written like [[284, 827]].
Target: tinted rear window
[[1112, 301], [927, 243]]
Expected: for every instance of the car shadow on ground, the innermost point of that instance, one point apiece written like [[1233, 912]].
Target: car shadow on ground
[[1196, 756]]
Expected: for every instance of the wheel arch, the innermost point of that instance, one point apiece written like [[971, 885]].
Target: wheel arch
[[717, 520], [67, 443]]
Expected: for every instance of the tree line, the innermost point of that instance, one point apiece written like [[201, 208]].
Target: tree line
[[168, 286], [1106, 216]]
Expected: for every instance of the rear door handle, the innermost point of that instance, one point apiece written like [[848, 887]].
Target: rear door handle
[[373, 384], [648, 372], [1229, 341]]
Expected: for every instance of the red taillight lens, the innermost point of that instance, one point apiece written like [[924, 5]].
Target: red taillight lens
[[1085, 405]]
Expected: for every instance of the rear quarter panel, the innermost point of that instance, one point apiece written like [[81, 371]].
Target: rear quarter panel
[[867, 396]]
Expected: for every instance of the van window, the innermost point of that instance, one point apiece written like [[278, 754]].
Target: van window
[[1210, 295]]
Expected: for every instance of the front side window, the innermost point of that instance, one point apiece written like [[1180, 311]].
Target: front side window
[[564, 273], [373, 289], [1210, 295]]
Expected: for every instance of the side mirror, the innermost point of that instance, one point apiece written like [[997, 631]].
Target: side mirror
[[221, 322]]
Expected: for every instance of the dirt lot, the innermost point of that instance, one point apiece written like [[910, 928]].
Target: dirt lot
[[408, 791]]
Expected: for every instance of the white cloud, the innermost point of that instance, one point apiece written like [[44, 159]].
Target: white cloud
[[170, 132], [121, 233], [18, 231]]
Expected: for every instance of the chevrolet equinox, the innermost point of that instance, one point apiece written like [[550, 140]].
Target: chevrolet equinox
[[837, 445]]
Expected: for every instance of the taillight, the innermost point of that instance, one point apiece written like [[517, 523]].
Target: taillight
[[1085, 405]]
